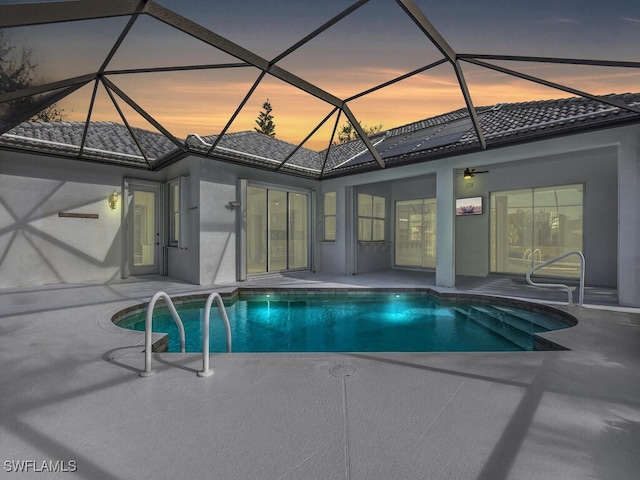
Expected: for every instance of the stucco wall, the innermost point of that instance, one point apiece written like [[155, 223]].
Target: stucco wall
[[606, 161], [218, 186], [36, 245], [373, 256], [184, 263], [596, 169]]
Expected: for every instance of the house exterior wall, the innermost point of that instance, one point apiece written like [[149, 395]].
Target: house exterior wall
[[595, 168], [36, 245], [39, 247], [606, 161], [184, 263], [219, 225]]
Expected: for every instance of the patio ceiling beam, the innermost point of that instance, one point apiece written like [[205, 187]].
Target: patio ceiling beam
[[320, 30], [398, 79], [38, 108], [441, 44], [557, 86], [301, 144], [143, 113], [566, 61], [333, 134], [421, 20], [17, 15], [47, 87], [89, 113], [469, 102], [126, 124], [122, 36], [363, 136], [236, 112], [207, 36], [178, 69]]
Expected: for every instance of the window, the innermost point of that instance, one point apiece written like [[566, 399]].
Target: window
[[533, 225], [371, 218], [416, 233], [174, 212], [178, 199], [330, 209]]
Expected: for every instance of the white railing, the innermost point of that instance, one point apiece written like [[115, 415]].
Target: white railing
[[561, 285], [148, 324], [205, 331], [148, 329]]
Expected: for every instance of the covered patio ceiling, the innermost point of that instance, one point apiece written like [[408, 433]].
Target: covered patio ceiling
[[145, 83]]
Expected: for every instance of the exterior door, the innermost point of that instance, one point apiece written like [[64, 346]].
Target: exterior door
[[143, 227], [277, 230]]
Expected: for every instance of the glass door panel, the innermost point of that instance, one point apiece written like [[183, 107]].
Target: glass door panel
[[277, 230], [531, 226], [256, 230], [429, 226], [558, 228], [416, 233], [144, 234], [298, 231], [409, 233], [511, 231]]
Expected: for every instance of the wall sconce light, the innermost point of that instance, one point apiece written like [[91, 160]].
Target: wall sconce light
[[233, 204], [113, 200]]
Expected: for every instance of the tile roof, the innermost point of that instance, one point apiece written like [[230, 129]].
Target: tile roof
[[501, 124], [442, 135], [105, 141]]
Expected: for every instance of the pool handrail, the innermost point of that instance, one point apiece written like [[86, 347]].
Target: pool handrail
[[148, 324], [206, 371], [561, 285]]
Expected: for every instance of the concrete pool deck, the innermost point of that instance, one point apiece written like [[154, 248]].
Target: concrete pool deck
[[70, 392]]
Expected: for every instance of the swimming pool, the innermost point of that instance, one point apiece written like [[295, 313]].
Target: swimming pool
[[361, 322]]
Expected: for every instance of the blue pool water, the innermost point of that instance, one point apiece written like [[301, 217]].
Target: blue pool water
[[353, 323]]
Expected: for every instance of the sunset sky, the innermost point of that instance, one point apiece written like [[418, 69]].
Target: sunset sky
[[376, 43]]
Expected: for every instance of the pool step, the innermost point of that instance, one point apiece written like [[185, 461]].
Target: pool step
[[541, 322], [514, 319], [509, 327]]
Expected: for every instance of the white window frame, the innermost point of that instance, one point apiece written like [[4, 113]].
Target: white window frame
[[178, 237], [371, 218], [326, 215]]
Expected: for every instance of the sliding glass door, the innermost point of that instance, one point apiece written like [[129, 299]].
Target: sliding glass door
[[277, 230], [533, 225], [416, 233]]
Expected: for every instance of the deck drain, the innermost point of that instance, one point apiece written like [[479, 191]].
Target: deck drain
[[341, 371]]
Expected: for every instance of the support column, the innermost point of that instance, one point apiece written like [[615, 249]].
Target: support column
[[628, 222], [350, 231], [445, 228]]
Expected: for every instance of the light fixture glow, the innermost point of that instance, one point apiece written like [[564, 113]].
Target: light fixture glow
[[468, 173], [113, 200]]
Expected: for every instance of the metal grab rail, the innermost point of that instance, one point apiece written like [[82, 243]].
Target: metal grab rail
[[561, 285], [205, 331], [148, 323]]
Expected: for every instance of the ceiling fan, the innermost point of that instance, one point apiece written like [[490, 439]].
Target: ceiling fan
[[471, 172]]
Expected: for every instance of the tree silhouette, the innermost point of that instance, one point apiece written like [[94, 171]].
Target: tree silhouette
[[18, 71], [265, 121], [347, 133]]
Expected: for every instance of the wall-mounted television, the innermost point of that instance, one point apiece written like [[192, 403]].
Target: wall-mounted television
[[469, 206]]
